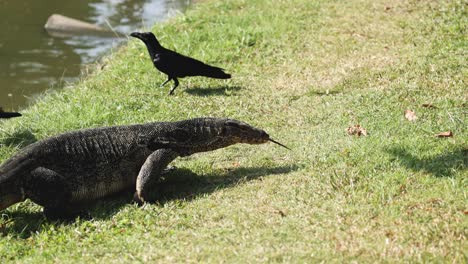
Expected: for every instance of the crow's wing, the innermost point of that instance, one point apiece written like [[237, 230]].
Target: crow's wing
[[178, 65]]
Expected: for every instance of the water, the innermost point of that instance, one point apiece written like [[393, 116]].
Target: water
[[31, 61]]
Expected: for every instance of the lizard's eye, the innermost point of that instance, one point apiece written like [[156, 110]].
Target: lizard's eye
[[238, 125], [222, 131]]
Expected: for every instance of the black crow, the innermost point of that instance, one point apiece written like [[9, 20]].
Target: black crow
[[4, 114], [176, 65]]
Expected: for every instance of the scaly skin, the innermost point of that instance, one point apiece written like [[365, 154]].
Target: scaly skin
[[66, 172]]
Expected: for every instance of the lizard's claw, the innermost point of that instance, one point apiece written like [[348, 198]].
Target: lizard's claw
[[137, 199]]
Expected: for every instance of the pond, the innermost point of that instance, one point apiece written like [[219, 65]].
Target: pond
[[31, 61]]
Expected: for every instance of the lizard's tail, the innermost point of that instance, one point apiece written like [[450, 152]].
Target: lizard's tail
[[11, 192], [11, 175]]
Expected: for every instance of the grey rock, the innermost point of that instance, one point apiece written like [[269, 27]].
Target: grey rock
[[62, 26]]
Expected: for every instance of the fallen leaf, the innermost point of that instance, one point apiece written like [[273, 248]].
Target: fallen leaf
[[374, 217], [389, 234], [357, 130], [410, 115], [445, 134], [429, 105], [280, 212]]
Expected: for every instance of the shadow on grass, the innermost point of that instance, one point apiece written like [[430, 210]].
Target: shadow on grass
[[444, 165], [21, 224], [184, 184], [20, 138], [213, 91], [178, 184]]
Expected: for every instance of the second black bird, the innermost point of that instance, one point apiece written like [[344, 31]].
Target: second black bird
[[4, 114], [176, 65]]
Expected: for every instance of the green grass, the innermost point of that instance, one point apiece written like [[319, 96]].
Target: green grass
[[303, 70]]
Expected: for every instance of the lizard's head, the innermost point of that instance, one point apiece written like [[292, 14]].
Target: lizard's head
[[206, 134], [240, 132]]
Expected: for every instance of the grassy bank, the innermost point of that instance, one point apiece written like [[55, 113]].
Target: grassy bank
[[303, 70]]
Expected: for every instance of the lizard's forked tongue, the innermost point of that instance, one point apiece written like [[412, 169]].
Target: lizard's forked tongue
[[276, 142]]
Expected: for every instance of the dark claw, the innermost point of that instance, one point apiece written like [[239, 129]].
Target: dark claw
[[137, 199]]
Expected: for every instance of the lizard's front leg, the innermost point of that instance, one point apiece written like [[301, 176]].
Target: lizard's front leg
[[150, 173]]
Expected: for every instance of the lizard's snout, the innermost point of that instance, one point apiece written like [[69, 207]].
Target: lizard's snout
[[247, 134], [264, 137]]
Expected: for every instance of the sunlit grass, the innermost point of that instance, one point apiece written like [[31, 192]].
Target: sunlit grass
[[304, 71]]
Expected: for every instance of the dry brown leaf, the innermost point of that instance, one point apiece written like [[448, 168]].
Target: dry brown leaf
[[280, 212], [445, 134], [428, 105], [357, 130], [410, 115]]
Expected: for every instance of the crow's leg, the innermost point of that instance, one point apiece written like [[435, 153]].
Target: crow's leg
[[164, 83], [176, 83], [150, 174]]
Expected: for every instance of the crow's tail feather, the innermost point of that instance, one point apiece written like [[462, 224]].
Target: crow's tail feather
[[215, 72]]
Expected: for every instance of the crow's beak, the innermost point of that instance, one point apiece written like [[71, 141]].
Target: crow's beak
[[135, 35]]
